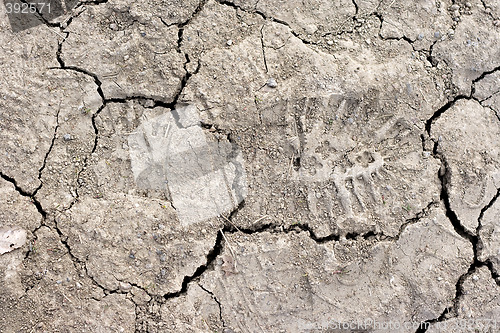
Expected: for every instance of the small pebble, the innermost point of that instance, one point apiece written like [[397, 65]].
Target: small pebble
[[125, 286], [78, 285], [454, 7], [437, 34], [475, 277], [143, 34], [272, 83], [329, 42], [229, 42], [67, 137], [113, 26], [420, 36], [409, 89]]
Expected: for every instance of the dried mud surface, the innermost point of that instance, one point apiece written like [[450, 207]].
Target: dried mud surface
[[362, 164]]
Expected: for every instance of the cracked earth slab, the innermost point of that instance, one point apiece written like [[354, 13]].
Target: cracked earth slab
[[129, 55], [422, 22], [33, 94], [314, 156], [137, 232], [72, 143], [474, 49], [472, 157], [478, 307], [267, 282], [46, 292]]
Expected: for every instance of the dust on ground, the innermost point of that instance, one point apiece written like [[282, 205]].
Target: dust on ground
[[251, 166]]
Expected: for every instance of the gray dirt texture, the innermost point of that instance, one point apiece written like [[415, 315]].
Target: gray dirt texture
[[251, 166]]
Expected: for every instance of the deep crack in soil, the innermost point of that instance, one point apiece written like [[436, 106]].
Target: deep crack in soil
[[444, 175]]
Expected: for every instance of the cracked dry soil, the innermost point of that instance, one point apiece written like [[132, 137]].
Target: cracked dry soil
[[372, 163]]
